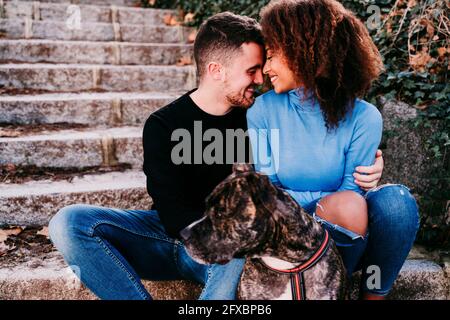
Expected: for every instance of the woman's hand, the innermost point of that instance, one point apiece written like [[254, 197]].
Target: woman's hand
[[372, 174]]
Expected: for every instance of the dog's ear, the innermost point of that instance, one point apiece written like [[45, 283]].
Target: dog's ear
[[242, 167]]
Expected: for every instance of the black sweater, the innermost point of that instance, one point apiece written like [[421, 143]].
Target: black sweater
[[179, 190]]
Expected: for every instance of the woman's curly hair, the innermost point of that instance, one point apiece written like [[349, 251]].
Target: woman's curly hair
[[328, 49]]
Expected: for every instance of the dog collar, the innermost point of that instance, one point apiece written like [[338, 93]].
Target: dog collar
[[296, 273]]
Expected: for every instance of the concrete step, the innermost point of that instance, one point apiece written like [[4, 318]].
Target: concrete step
[[75, 148], [85, 77], [130, 3], [50, 278], [106, 12], [26, 28], [86, 52], [110, 108], [36, 202]]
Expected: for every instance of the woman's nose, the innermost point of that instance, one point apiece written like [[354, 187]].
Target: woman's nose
[[266, 68]]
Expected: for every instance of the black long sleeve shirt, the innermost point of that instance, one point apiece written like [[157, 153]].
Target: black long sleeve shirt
[[179, 190]]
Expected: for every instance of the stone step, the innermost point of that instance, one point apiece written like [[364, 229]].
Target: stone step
[[50, 278], [78, 148], [110, 108], [86, 52], [85, 77], [91, 31], [106, 12], [36, 202], [130, 3]]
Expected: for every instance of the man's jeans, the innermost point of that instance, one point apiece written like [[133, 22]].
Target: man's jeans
[[112, 250], [393, 224]]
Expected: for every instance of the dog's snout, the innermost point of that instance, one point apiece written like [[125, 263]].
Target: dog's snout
[[186, 233]]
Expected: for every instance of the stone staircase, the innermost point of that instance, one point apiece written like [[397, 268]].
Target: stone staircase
[[72, 103]]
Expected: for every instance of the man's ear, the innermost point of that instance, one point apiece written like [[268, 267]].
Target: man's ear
[[215, 70]]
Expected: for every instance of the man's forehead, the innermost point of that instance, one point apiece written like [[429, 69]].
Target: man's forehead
[[249, 55]]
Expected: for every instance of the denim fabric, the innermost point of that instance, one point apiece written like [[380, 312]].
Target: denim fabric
[[113, 249], [393, 224]]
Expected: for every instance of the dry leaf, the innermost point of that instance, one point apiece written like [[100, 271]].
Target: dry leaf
[[184, 61], [189, 17], [420, 60], [171, 20], [4, 249], [4, 233], [192, 36], [8, 134], [43, 231], [441, 51], [412, 3]]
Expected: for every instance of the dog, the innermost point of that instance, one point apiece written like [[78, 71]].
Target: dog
[[289, 256]]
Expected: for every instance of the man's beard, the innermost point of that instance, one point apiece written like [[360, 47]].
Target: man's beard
[[240, 100]]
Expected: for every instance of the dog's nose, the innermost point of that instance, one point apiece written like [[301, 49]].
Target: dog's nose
[[186, 233]]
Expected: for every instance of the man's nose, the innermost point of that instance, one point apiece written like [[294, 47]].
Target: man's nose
[[259, 78]]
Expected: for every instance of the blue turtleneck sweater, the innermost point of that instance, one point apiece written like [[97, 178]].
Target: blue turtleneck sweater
[[306, 160]]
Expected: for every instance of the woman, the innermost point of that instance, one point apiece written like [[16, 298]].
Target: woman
[[320, 59]]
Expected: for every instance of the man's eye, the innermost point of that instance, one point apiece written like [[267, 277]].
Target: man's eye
[[269, 58]]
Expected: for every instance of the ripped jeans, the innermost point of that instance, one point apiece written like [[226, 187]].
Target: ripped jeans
[[393, 224]]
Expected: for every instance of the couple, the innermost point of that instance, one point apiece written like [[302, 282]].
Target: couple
[[319, 58]]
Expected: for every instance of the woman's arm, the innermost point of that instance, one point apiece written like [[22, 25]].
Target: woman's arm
[[362, 149]]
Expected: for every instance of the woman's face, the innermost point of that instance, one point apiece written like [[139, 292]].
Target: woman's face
[[281, 76]]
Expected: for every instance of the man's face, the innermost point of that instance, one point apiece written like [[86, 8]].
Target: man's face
[[243, 74]]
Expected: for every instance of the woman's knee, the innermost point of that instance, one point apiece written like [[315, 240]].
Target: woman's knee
[[347, 209], [393, 206]]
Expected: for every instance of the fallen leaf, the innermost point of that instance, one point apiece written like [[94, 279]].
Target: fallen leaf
[[441, 51], [4, 233], [420, 60], [8, 134], [184, 61], [43, 231], [189, 17], [4, 249], [412, 3], [171, 20], [192, 36]]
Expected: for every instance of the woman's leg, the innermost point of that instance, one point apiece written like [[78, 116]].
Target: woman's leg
[[349, 235], [347, 209], [113, 249], [393, 224]]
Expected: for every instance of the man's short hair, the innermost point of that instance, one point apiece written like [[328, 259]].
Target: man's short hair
[[221, 36]]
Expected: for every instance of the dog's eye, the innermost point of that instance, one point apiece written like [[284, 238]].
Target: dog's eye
[[220, 212]]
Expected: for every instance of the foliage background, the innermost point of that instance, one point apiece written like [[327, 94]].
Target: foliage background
[[413, 39]]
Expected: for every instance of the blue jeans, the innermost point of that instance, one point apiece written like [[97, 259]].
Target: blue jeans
[[114, 249], [393, 224]]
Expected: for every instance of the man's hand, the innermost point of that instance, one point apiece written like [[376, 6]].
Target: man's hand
[[374, 172]]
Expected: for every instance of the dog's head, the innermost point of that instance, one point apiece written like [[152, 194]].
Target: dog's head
[[238, 218]]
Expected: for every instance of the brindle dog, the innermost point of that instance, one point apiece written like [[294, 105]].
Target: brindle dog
[[246, 215]]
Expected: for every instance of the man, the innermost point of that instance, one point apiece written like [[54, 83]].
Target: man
[[115, 248]]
